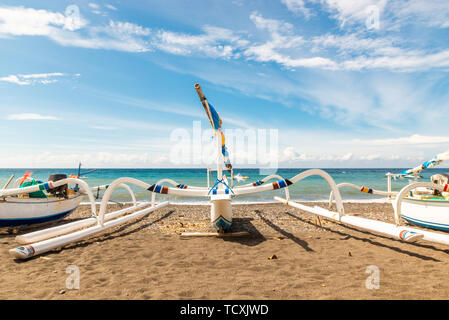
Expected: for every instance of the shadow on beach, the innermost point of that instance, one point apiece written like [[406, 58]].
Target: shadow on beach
[[244, 224], [373, 242], [286, 234]]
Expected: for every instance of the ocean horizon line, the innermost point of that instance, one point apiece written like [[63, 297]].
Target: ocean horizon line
[[205, 168]]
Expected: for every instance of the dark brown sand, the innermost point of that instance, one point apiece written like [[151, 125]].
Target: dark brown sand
[[148, 259]]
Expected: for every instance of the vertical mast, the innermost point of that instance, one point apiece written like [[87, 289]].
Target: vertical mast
[[217, 131], [219, 156]]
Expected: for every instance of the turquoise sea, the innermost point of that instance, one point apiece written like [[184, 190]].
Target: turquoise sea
[[309, 189]]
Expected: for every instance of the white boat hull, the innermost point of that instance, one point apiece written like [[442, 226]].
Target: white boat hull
[[16, 212], [221, 212], [430, 213]]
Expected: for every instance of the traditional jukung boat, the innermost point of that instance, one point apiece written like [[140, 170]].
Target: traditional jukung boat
[[424, 204], [47, 204], [19, 208], [220, 196]]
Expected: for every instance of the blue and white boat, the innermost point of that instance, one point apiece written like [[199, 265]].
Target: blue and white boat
[[47, 203], [15, 211]]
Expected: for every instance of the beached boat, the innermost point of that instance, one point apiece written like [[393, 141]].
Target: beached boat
[[424, 204], [430, 212], [220, 196], [16, 211], [45, 205]]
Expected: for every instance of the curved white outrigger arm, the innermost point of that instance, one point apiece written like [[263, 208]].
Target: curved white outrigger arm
[[124, 186], [361, 189]]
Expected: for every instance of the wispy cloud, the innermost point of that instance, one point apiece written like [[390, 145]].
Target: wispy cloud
[[36, 78], [106, 128], [297, 6], [111, 7], [30, 116], [414, 139], [277, 41], [282, 43], [213, 42], [72, 29]]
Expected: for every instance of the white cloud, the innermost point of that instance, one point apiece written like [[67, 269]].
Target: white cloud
[[432, 13], [370, 157], [403, 62], [18, 21], [94, 5], [345, 157], [392, 14], [14, 79], [213, 42], [290, 155], [347, 11], [41, 75], [28, 79], [275, 41], [30, 116], [107, 128], [295, 5], [111, 7], [282, 43], [71, 29], [414, 139], [67, 160], [353, 43]]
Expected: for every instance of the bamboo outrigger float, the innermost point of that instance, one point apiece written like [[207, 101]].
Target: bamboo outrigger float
[[220, 196]]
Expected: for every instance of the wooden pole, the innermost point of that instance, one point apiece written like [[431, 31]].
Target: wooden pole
[[8, 182]]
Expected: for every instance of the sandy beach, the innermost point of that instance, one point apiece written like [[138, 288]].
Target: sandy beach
[[287, 256]]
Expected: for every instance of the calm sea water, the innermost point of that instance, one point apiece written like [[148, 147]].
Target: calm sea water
[[309, 189]]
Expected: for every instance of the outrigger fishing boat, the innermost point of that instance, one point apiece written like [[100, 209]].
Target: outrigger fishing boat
[[37, 207], [220, 195], [47, 204], [424, 204]]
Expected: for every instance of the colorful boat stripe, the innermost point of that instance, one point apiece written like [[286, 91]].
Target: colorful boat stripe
[[257, 183], [366, 190], [222, 222], [158, 189], [406, 235], [283, 183], [182, 186], [27, 250], [46, 185], [33, 220]]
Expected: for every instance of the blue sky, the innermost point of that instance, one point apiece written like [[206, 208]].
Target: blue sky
[[106, 83]]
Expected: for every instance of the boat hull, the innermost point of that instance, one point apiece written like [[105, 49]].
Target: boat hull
[[430, 213], [221, 212], [15, 212]]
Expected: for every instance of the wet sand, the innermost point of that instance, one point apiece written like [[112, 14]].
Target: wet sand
[[288, 255]]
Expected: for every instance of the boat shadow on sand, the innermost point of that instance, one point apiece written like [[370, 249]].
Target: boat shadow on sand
[[245, 225], [348, 236], [304, 244]]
